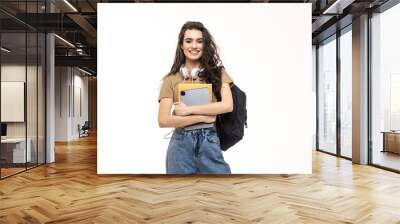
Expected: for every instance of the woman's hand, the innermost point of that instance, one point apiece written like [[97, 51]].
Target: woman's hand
[[209, 118], [181, 109]]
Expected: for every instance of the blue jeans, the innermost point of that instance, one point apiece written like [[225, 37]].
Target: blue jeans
[[195, 151]]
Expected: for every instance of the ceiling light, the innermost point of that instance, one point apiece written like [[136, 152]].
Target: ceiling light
[[64, 40], [338, 6], [5, 49], [329, 9], [70, 5], [86, 72]]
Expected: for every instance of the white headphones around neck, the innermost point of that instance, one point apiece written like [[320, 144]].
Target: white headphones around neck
[[194, 74]]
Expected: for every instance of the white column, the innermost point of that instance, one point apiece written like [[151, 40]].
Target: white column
[[50, 93], [50, 110], [360, 90]]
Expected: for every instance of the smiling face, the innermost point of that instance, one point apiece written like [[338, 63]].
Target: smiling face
[[192, 44]]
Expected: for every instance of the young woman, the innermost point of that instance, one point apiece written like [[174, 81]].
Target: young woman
[[195, 151]]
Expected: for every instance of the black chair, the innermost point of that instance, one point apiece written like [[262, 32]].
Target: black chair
[[84, 130]]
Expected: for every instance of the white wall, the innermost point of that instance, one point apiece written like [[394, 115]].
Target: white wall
[[68, 83], [82, 83], [61, 103]]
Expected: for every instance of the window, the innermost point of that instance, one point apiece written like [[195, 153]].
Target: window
[[327, 96], [346, 93], [385, 88]]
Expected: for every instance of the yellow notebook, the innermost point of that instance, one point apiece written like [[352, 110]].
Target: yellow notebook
[[188, 86]]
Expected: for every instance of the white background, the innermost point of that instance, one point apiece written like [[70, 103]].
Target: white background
[[266, 49]]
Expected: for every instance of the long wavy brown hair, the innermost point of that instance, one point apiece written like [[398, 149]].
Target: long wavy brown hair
[[209, 61]]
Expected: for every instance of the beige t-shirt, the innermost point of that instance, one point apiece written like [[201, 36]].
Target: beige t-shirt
[[169, 86]]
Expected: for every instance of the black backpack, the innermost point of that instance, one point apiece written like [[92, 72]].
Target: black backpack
[[230, 126]]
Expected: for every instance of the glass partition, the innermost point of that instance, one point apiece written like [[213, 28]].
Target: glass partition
[[32, 95], [346, 93], [14, 153], [327, 96], [22, 77], [385, 89], [41, 109]]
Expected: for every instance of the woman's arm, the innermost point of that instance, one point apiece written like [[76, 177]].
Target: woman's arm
[[166, 119], [225, 106]]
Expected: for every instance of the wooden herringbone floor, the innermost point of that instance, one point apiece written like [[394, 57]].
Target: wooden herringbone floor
[[70, 191]]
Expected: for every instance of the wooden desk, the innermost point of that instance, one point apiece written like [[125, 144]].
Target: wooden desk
[[391, 141], [13, 150]]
